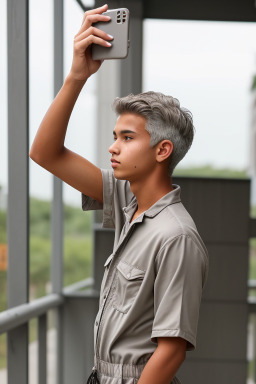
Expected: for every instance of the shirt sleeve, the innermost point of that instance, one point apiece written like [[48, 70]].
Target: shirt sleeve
[[181, 270], [116, 195]]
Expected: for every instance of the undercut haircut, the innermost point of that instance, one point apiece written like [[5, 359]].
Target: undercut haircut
[[166, 120]]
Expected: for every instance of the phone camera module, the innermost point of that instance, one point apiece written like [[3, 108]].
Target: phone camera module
[[118, 19]]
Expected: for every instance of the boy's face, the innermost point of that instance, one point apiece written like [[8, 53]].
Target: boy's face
[[132, 157]]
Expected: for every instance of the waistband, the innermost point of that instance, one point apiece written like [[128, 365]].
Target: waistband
[[119, 370], [123, 371]]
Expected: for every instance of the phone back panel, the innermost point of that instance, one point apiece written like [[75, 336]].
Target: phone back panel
[[118, 27]]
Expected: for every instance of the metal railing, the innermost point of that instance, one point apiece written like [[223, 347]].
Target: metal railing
[[14, 318]]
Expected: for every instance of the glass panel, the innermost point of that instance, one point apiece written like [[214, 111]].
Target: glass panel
[[3, 182], [81, 139], [209, 67], [41, 95]]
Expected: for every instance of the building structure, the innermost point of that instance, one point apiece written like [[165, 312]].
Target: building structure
[[221, 354]]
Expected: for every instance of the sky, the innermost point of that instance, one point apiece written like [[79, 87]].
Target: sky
[[208, 66]]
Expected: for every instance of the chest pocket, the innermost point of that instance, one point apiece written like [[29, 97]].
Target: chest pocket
[[129, 280]]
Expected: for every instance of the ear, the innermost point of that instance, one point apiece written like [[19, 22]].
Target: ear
[[163, 150]]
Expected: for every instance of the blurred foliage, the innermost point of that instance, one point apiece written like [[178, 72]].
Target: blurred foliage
[[253, 86], [3, 238], [77, 245], [76, 222], [252, 261], [3, 350], [209, 171], [3, 293]]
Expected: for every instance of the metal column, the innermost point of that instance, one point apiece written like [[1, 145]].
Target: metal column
[[57, 204], [18, 174]]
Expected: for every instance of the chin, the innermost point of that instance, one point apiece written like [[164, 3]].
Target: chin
[[120, 176]]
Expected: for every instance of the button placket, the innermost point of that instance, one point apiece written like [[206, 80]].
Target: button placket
[[111, 277]]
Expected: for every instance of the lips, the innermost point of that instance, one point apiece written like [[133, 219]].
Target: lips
[[114, 161]]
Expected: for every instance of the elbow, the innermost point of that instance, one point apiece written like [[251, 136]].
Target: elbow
[[31, 154], [34, 156]]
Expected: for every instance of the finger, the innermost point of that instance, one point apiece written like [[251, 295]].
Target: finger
[[84, 44], [95, 11], [92, 31], [90, 19], [101, 9], [94, 18]]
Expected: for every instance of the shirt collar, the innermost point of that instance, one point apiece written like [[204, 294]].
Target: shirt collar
[[172, 197]]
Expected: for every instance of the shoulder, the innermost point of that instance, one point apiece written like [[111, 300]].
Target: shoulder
[[186, 255], [180, 238], [174, 221]]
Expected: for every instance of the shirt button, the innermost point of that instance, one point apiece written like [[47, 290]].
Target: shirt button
[[104, 297], [128, 275], [96, 323]]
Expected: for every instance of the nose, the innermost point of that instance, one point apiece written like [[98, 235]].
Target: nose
[[114, 149]]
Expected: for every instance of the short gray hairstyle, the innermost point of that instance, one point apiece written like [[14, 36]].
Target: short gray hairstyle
[[166, 120]]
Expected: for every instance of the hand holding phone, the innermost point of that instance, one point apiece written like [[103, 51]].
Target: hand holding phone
[[83, 66], [118, 27]]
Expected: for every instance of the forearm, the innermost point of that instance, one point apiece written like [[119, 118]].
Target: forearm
[[48, 145], [164, 363], [50, 137]]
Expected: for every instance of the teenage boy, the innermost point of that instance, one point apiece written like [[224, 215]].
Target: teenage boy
[[153, 281]]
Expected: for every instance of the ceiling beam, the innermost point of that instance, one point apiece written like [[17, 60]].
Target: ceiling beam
[[217, 10]]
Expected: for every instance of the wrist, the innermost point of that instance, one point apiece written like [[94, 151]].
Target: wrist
[[71, 80]]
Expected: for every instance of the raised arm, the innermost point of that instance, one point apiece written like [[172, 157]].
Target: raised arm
[[48, 148]]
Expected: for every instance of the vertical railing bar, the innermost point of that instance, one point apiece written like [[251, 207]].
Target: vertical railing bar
[[18, 182], [60, 345], [57, 206], [254, 345], [42, 349]]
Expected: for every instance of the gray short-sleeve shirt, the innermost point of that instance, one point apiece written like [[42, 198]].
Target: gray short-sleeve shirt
[[153, 280]]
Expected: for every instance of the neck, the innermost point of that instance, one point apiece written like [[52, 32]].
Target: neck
[[148, 192]]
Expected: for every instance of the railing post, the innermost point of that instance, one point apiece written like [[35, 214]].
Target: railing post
[[18, 174], [42, 349]]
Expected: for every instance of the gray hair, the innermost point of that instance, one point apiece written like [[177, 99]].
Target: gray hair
[[166, 120]]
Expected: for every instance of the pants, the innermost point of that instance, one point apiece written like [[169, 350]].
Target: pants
[[121, 373]]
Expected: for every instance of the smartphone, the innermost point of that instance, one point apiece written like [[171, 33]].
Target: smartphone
[[118, 27]]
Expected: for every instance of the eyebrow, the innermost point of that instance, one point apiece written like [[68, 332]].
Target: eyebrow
[[124, 132]]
